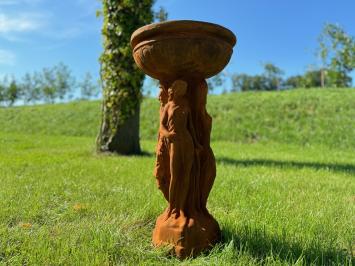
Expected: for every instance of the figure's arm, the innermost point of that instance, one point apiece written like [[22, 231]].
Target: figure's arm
[[164, 118]]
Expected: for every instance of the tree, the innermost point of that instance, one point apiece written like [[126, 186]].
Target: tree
[[87, 88], [64, 82], [273, 75], [271, 79], [259, 83], [31, 88], [56, 83], [337, 52], [121, 78], [216, 81], [313, 79], [337, 78], [294, 82], [161, 15], [241, 82], [13, 92], [244, 82], [48, 85]]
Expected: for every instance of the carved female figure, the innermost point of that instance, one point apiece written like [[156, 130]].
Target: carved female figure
[[176, 125], [207, 159], [162, 169]]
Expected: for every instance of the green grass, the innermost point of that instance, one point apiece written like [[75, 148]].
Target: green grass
[[302, 117], [276, 204], [278, 199]]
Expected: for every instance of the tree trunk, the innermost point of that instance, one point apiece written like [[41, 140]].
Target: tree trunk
[[121, 78], [124, 139]]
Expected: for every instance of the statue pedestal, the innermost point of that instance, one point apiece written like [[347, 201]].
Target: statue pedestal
[[188, 235], [181, 55]]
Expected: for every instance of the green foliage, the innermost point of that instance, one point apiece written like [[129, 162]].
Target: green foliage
[[338, 78], [87, 88], [10, 91], [216, 81], [273, 75], [295, 82], [60, 204], [49, 85], [337, 52], [270, 80], [13, 92], [161, 15], [31, 87], [56, 83], [64, 81], [121, 78], [244, 82], [313, 79], [241, 82], [302, 117]]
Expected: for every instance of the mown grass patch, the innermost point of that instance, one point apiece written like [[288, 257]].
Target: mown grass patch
[[277, 204]]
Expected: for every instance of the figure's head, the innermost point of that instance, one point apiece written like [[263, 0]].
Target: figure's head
[[177, 89]]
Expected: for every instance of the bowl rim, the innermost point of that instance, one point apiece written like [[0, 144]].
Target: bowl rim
[[182, 26]]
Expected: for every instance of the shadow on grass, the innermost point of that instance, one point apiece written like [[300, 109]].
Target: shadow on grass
[[347, 168], [261, 245], [146, 154], [141, 154]]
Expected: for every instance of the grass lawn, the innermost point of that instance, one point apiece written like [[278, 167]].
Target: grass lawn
[[277, 204]]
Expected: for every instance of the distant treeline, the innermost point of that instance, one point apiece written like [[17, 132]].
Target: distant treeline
[[47, 86], [273, 79], [336, 51]]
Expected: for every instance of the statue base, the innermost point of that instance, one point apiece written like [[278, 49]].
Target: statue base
[[188, 236]]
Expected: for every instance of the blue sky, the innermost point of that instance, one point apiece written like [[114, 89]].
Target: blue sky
[[40, 33]]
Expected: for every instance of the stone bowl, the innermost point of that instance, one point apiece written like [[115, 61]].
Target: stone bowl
[[182, 49]]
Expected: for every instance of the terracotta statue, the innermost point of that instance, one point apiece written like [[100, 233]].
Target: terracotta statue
[[181, 55]]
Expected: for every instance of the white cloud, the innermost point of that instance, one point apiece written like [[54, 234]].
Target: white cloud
[[21, 23], [18, 2], [7, 57], [21, 17]]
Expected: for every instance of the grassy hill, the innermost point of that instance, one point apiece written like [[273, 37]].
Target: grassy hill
[[278, 200], [299, 116]]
